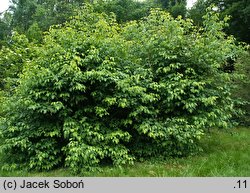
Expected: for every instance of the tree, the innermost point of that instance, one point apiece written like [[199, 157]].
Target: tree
[[238, 10], [5, 29], [175, 7], [98, 92], [197, 11], [239, 27], [23, 10], [41, 14], [242, 87], [125, 10], [3, 32]]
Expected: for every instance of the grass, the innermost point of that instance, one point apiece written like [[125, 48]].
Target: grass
[[226, 153]]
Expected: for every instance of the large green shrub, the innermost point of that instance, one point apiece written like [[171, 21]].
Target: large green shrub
[[98, 92]]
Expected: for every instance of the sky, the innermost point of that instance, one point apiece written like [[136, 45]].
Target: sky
[[190, 3], [4, 4]]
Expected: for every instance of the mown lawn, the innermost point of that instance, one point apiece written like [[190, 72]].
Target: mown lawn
[[226, 153]]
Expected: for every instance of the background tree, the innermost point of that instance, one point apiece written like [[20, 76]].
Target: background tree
[[28, 15], [242, 87], [239, 10], [197, 12], [33, 17], [125, 10], [175, 7], [239, 26], [5, 27]]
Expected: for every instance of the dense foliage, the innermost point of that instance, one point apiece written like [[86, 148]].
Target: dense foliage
[[12, 58], [241, 91], [125, 10], [33, 17], [98, 92], [175, 7], [238, 10]]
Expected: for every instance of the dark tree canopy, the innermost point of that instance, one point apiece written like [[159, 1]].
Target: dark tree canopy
[[239, 10], [175, 7]]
